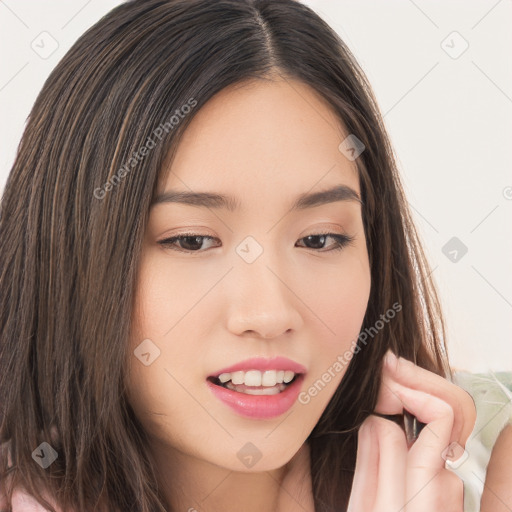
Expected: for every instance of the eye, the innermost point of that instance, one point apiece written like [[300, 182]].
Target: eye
[[193, 242], [188, 242], [340, 241]]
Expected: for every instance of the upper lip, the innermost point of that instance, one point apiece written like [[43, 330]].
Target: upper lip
[[262, 364]]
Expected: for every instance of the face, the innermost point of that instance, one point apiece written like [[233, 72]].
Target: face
[[253, 278]]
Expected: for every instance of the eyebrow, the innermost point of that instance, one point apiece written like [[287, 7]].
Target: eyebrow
[[218, 201]]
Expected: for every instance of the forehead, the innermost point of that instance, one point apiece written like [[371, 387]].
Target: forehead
[[262, 137]]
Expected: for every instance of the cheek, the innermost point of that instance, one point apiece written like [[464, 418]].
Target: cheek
[[338, 296], [165, 295], [340, 305], [345, 312], [165, 292], [157, 391]]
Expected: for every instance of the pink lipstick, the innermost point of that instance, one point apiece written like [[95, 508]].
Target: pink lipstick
[[258, 388]]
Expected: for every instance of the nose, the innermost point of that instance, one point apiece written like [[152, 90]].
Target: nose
[[262, 303]]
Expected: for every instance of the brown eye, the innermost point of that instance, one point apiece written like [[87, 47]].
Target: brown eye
[[317, 241], [189, 242], [194, 242]]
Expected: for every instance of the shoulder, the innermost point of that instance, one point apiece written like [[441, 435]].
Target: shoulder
[[497, 494], [488, 464], [24, 502], [21, 500]]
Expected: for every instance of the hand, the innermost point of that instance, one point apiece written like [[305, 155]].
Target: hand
[[391, 477]]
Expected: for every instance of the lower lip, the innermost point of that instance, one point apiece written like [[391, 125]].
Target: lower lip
[[259, 406]]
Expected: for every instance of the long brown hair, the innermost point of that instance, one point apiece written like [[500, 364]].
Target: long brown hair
[[73, 216]]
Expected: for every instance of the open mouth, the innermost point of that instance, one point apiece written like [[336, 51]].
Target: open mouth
[[257, 394], [270, 388]]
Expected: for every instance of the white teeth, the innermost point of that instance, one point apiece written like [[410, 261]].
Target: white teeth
[[255, 378], [288, 376], [269, 378], [252, 378], [274, 390], [237, 377], [224, 377]]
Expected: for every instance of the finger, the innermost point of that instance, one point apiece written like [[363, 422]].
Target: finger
[[392, 448], [425, 464], [388, 401], [452, 495], [407, 373], [443, 492], [362, 495], [427, 451]]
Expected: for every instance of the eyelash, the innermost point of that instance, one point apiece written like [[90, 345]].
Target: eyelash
[[341, 241]]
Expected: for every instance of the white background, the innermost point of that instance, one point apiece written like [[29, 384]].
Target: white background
[[450, 121]]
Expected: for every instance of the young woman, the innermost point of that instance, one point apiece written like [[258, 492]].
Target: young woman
[[207, 265]]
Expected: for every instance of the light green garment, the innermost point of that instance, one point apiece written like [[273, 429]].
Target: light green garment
[[492, 394]]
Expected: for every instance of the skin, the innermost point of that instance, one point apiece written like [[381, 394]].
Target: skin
[[264, 143], [391, 476], [497, 494]]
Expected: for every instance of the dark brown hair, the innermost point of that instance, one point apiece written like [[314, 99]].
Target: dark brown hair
[[72, 224]]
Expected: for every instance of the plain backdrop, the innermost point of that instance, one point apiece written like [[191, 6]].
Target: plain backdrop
[[442, 74]]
